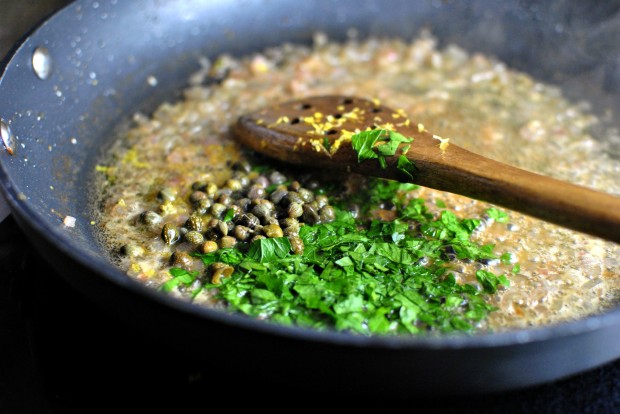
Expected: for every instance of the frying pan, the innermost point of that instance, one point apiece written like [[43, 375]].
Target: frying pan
[[97, 62]]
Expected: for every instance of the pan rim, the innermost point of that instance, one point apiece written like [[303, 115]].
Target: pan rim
[[20, 208]]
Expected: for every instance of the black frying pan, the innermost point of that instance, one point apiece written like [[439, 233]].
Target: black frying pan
[[103, 52]]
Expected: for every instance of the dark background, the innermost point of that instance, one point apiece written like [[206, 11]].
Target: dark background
[[60, 354]]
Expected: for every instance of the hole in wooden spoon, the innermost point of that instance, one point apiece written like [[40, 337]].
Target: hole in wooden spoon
[[304, 106], [330, 132], [347, 101], [295, 121]]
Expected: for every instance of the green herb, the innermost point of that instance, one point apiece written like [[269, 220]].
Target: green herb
[[228, 216], [363, 143], [490, 281], [497, 215], [360, 275], [326, 143], [381, 143], [266, 250], [179, 277], [506, 258], [405, 166]]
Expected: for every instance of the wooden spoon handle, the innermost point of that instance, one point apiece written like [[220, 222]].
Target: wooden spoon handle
[[459, 171]]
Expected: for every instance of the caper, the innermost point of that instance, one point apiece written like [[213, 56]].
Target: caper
[[208, 247], [327, 214], [243, 179], [203, 206], [196, 196], [220, 270], [194, 237], [227, 242], [273, 230], [297, 244], [150, 218], [211, 234], [225, 199], [233, 184], [210, 189], [277, 196], [290, 226], [132, 250], [198, 185], [167, 194], [256, 191], [270, 220], [294, 210], [170, 234], [221, 227], [242, 233], [354, 209], [290, 231], [242, 165], [201, 183], [291, 197], [310, 215], [289, 222], [262, 181], [321, 200], [196, 223], [181, 259], [248, 220], [263, 210], [305, 195], [244, 203], [218, 209], [277, 177], [294, 186]]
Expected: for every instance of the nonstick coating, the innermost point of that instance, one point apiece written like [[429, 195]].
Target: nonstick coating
[[105, 56]]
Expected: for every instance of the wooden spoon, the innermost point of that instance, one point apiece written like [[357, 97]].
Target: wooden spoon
[[316, 132]]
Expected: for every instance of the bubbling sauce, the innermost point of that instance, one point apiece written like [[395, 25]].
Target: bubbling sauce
[[475, 100]]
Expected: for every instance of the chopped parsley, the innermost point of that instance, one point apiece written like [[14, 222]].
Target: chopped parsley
[[381, 143], [361, 275], [498, 215]]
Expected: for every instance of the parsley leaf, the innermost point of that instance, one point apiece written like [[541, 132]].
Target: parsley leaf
[[180, 277], [266, 250], [364, 142], [490, 281], [406, 166], [497, 215], [381, 143]]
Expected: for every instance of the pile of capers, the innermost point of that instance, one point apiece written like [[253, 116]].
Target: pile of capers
[[250, 205]]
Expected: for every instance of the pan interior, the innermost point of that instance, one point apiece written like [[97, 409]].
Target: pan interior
[[114, 59]]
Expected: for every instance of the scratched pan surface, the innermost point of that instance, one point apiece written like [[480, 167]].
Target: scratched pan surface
[[104, 58]]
